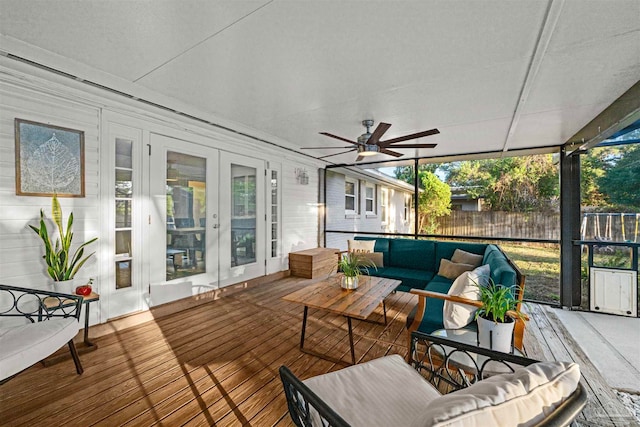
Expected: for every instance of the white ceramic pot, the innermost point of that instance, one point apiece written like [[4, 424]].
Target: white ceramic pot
[[349, 282], [495, 336], [66, 286]]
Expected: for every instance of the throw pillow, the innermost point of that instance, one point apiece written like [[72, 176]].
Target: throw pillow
[[375, 257], [467, 258], [452, 270], [360, 246], [457, 315], [521, 398]]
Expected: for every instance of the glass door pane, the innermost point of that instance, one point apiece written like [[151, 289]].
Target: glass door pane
[[186, 195], [243, 215], [124, 207]]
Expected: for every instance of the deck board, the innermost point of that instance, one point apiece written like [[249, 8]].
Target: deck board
[[216, 363]]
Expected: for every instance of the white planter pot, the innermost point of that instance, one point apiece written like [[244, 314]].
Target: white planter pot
[[349, 282], [66, 286], [495, 336]]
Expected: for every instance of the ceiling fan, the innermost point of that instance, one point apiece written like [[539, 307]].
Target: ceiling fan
[[369, 144]]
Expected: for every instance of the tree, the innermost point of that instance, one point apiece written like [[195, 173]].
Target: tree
[[621, 181], [405, 173], [434, 201], [514, 184]]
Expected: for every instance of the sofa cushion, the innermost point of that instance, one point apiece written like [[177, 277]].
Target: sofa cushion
[[361, 246], [375, 258], [456, 315], [446, 249], [501, 271], [22, 346], [451, 270], [381, 245], [411, 278], [414, 254], [465, 257], [381, 392], [520, 398]]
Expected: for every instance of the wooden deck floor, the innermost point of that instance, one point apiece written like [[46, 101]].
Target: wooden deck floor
[[217, 362]]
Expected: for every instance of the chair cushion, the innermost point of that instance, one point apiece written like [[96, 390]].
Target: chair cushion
[[465, 257], [382, 392], [22, 346], [456, 315], [521, 398], [361, 246], [451, 270]]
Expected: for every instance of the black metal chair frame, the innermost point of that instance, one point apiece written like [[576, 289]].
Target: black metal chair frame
[[432, 357], [59, 306]]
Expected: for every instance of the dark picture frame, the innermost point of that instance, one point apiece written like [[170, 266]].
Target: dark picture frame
[[49, 160]]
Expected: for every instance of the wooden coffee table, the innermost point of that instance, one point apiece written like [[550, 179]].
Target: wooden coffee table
[[353, 304]]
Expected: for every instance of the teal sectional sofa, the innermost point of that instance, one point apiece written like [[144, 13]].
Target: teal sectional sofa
[[416, 264]]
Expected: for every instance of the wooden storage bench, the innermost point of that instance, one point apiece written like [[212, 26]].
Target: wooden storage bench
[[313, 263]]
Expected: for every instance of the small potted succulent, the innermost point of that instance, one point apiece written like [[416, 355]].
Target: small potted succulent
[[62, 265], [352, 266], [496, 316]]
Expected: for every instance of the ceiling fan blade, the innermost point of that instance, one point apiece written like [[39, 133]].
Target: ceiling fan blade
[[321, 148], [330, 135], [377, 134], [408, 137], [359, 158], [395, 147], [391, 153], [337, 154]]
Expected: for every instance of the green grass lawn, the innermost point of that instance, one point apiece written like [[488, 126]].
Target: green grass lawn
[[541, 266]]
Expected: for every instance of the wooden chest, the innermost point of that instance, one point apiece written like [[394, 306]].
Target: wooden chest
[[313, 263]]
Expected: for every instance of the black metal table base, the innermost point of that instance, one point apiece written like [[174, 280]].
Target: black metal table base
[[350, 328]]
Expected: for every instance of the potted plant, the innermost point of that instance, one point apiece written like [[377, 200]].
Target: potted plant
[[62, 266], [496, 316], [352, 265]]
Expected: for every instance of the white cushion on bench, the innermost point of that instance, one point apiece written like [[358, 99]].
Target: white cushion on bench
[[521, 398], [22, 346], [383, 392]]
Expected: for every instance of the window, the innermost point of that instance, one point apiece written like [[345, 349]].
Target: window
[[407, 208], [384, 205], [350, 196], [370, 199]]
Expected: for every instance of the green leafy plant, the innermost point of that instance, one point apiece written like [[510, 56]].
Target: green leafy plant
[[498, 303], [61, 265], [353, 264]]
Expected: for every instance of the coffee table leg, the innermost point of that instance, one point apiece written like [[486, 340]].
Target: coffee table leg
[[353, 353], [384, 309], [304, 326], [86, 326]]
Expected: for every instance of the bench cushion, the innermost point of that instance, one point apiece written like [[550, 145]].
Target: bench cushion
[[382, 392], [22, 346], [521, 398]]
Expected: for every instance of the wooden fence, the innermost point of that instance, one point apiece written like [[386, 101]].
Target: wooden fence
[[517, 225], [537, 225]]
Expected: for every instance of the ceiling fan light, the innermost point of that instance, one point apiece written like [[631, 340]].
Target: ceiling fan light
[[367, 150]]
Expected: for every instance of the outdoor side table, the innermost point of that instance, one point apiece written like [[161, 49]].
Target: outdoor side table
[[53, 303]]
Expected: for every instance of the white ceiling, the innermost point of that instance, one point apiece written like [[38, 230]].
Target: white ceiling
[[490, 75]]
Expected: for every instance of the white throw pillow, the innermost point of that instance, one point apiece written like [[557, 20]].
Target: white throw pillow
[[456, 315], [361, 246], [521, 398]]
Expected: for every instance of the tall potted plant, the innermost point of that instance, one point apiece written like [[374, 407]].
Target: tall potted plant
[[496, 316], [62, 266]]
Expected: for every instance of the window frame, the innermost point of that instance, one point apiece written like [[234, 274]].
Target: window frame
[[355, 195], [373, 189], [384, 205]]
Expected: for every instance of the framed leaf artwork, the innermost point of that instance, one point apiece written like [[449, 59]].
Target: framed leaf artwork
[[49, 160]]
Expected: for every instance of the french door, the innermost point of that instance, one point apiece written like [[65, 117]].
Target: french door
[[183, 218]]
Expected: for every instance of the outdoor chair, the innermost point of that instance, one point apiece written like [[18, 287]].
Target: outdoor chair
[[388, 391], [33, 325]]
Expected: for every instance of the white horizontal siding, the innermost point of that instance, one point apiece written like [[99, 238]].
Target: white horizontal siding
[[20, 248]]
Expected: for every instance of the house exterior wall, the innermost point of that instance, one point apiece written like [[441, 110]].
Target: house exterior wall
[[35, 98], [339, 219]]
